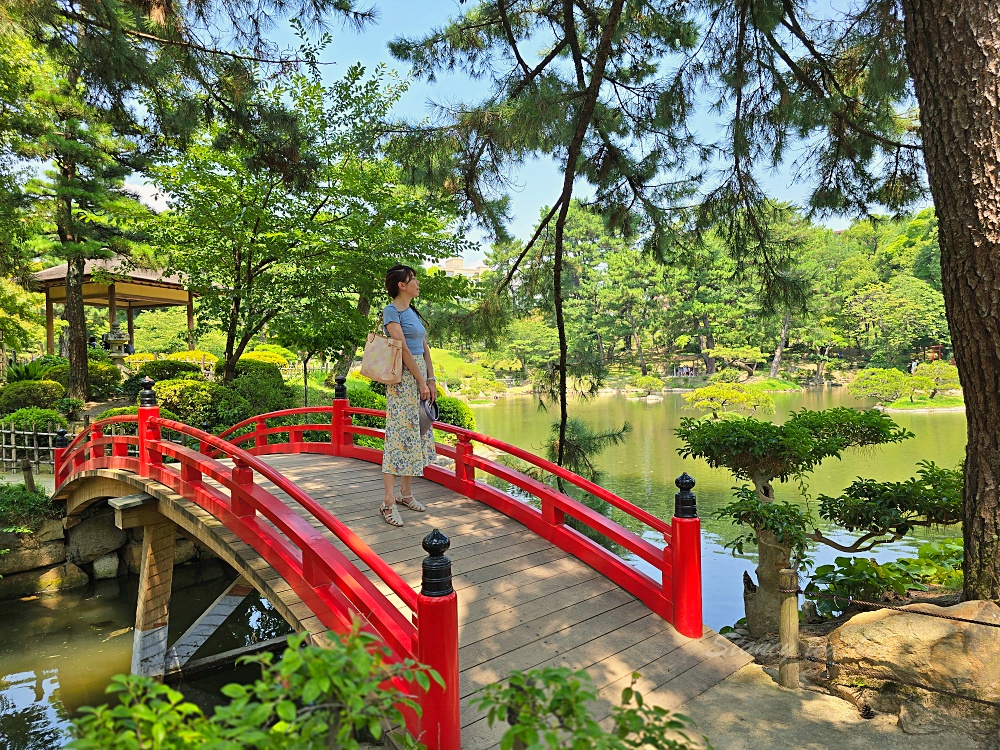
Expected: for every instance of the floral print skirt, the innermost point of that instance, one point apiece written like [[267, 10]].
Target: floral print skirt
[[407, 452]]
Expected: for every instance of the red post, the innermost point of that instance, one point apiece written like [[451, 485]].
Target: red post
[[96, 433], [190, 474], [685, 545], [259, 438], [148, 433], [242, 478], [437, 647], [465, 472], [340, 417]]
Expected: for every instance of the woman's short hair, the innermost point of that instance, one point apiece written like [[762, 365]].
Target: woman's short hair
[[398, 274]]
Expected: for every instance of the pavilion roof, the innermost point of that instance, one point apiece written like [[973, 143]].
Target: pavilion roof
[[134, 287]]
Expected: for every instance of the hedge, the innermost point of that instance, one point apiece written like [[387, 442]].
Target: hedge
[[195, 402], [261, 384], [27, 393], [193, 356], [269, 357], [167, 369], [364, 398], [455, 412], [105, 379]]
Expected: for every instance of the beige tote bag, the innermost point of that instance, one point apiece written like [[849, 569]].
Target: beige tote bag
[[383, 359]]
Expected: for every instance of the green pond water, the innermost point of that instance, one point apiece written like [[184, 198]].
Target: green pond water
[[643, 469], [58, 652]]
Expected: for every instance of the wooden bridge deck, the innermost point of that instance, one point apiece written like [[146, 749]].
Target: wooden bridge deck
[[523, 603]]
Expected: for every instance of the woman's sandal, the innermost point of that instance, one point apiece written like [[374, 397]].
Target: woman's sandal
[[390, 514], [407, 501]]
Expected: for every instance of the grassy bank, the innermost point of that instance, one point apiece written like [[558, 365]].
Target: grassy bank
[[941, 401]]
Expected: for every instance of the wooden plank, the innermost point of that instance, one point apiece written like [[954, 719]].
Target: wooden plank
[[185, 647]]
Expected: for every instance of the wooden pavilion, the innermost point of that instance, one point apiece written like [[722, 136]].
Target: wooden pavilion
[[106, 284]]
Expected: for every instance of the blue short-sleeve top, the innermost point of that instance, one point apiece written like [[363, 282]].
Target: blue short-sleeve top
[[409, 321]]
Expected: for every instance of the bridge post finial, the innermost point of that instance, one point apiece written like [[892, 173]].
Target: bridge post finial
[[685, 502], [147, 396], [437, 646], [340, 389], [61, 440]]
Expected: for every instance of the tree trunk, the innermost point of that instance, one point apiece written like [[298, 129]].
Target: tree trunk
[[782, 340], [305, 380], [953, 51], [638, 344], [763, 606], [79, 377], [342, 364], [707, 342]]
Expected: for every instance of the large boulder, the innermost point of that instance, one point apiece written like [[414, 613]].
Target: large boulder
[[106, 566], [27, 552], [960, 657], [93, 537], [61, 577]]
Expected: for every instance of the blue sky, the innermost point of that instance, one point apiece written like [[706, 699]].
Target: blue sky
[[538, 183]]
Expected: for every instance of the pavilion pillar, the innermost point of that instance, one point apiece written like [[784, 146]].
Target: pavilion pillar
[[50, 336], [130, 315], [112, 308], [190, 321]]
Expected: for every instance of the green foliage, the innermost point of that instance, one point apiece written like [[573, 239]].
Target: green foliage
[[33, 416], [69, 407], [164, 331], [24, 393], [132, 429], [787, 522], [760, 451], [281, 351], [882, 385], [261, 384], [365, 398], [314, 698], [857, 578], [551, 708], [270, 357], [726, 396], [933, 497], [943, 377], [105, 379], [196, 402], [727, 375], [937, 563], [51, 360], [98, 354], [456, 412], [648, 383], [166, 369], [194, 356], [21, 509], [26, 371]]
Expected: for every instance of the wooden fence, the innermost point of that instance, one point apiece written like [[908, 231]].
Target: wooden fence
[[35, 444]]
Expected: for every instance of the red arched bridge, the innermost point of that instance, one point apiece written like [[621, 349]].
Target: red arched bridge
[[290, 501]]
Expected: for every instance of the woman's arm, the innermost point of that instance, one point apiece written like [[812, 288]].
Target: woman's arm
[[395, 330], [430, 371]]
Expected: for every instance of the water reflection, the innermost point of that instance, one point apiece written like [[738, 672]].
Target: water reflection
[[59, 651]]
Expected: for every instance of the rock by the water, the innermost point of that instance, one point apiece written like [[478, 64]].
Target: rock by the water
[[27, 552], [106, 566], [51, 531], [61, 577], [93, 537]]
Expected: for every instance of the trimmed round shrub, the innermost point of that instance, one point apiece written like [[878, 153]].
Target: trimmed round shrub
[[105, 379], [279, 350], [26, 393], [194, 356], [261, 384], [275, 359], [133, 383], [457, 413], [364, 398], [196, 401], [167, 369], [98, 354], [727, 375]]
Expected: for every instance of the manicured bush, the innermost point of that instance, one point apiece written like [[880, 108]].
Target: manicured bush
[[105, 379], [258, 370], [363, 398], [279, 350], [25, 393], [195, 402], [270, 357], [23, 510], [728, 375], [194, 356], [454, 412], [98, 354], [167, 369], [261, 384], [69, 407]]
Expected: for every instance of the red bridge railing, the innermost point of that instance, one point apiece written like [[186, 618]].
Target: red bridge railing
[[331, 585]]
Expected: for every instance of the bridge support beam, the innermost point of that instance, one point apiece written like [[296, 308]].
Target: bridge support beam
[[185, 647], [149, 645]]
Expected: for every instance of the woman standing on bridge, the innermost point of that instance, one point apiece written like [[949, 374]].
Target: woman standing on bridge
[[407, 450]]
